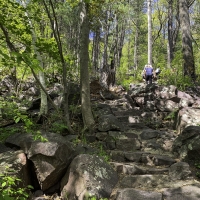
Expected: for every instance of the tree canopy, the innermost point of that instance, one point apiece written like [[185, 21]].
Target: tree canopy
[[42, 38]]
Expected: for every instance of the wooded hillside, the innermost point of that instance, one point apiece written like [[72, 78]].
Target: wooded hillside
[[106, 40], [60, 59]]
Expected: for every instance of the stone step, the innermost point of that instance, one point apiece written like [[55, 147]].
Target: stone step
[[130, 112], [125, 141], [136, 169], [152, 182], [131, 140], [135, 194], [189, 191], [144, 181], [131, 119], [141, 157]]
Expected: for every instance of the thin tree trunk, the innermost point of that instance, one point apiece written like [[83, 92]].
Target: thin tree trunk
[[56, 33], [135, 55], [95, 50], [104, 72], [170, 39], [44, 103], [120, 46], [149, 7], [105, 53]]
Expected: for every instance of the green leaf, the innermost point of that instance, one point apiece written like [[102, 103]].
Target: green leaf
[[3, 184], [30, 187], [10, 178], [17, 119]]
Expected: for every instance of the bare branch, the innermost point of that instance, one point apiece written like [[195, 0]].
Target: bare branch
[[190, 2]]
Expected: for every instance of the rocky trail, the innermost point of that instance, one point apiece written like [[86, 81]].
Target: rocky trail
[[145, 162], [142, 151], [149, 137]]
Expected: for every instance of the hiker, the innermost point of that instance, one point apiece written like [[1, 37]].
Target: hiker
[[148, 73], [157, 71]]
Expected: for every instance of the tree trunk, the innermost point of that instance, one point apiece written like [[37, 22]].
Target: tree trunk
[[106, 32], [170, 40], [11, 49], [84, 73], [187, 49], [135, 55], [95, 50], [173, 30], [149, 7], [66, 85], [121, 43]]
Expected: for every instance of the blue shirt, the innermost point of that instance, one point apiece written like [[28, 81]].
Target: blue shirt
[[149, 70]]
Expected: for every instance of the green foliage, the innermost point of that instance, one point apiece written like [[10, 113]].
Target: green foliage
[[38, 136], [75, 109], [11, 111], [88, 196], [95, 198], [6, 132], [59, 127], [9, 189], [8, 107], [174, 77], [171, 115], [197, 165], [125, 83], [28, 124], [103, 154], [20, 23]]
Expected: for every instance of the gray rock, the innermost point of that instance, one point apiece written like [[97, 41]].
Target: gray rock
[[109, 122], [136, 194], [3, 148], [145, 181], [187, 144], [190, 192], [15, 164], [180, 171], [166, 105], [50, 158], [149, 134], [187, 116], [88, 176]]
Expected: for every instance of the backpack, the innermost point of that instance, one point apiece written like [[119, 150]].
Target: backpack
[[149, 70]]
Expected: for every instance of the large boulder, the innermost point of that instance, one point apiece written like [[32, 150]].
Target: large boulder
[[88, 176], [50, 158], [187, 144], [166, 92], [187, 116], [166, 105]]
